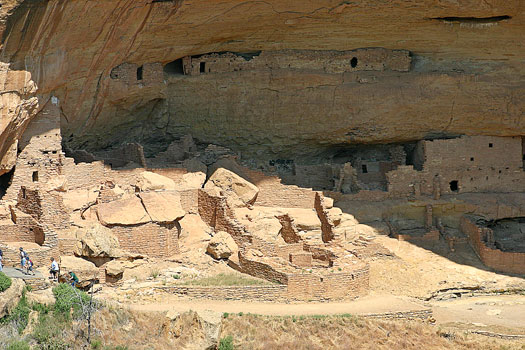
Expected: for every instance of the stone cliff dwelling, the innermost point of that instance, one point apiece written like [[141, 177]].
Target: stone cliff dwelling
[[300, 151]]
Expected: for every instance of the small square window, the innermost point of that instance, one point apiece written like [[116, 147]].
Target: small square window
[[491, 145], [471, 159]]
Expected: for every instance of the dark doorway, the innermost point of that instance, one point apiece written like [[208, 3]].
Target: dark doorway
[[140, 73], [35, 176], [174, 68], [5, 182], [364, 168], [454, 186], [203, 67], [353, 62]]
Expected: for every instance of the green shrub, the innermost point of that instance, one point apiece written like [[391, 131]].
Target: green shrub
[[5, 282], [48, 333], [226, 343], [96, 344], [18, 345], [67, 297]]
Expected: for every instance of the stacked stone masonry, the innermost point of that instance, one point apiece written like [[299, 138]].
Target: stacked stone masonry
[[509, 262]]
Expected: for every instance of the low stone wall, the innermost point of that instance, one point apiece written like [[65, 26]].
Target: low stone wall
[[40, 256], [37, 283], [333, 286], [265, 292], [402, 315], [431, 236], [496, 259]]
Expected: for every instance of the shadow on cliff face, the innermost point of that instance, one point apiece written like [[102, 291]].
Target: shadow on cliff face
[[5, 182]]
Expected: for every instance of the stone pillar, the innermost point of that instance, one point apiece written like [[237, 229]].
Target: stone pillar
[[436, 183], [417, 189], [428, 217]]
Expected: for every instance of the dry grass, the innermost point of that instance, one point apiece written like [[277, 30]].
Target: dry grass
[[252, 332], [223, 279]]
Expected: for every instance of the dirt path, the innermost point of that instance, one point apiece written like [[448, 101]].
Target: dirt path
[[362, 306], [505, 314], [484, 312]]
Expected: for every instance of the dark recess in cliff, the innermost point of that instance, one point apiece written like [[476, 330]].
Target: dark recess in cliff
[[473, 20]]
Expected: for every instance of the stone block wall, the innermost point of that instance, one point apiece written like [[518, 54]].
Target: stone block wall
[[302, 259], [372, 59], [328, 286], [150, 239], [473, 152], [510, 262]]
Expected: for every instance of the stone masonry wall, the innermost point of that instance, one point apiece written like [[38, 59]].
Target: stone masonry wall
[[509, 262], [150, 239]]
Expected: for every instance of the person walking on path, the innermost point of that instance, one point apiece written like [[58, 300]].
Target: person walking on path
[[54, 270], [22, 258]]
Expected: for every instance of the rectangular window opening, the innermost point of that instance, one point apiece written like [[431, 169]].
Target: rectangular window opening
[[491, 145], [364, 168], [35, 176], [140, 73], [203, 67]]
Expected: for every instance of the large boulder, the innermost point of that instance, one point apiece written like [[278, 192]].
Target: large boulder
[[192, 181], [97, 241], [125, 211], [149, 181], [222, 246], [195, 233], [10, 297], [163, 206], [84, 269], [261, 222], [230, 182]]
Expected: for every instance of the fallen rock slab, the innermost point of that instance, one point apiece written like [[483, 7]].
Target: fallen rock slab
[[149, 181], [233, 183], [125, 211], [163, 206], [85, 270], [222, 246]]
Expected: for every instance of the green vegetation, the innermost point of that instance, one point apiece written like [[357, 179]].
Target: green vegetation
[[18, 345], [154, 274], [5, 282], [67, 298], [224, 279], [226, 343], [49, 332]]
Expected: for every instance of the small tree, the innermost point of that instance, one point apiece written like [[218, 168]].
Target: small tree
[[72, 301]]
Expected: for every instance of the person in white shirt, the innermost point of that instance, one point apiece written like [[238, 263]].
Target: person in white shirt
[[54, 270]]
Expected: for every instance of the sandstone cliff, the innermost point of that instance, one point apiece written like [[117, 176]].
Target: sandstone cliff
[[465, 76]]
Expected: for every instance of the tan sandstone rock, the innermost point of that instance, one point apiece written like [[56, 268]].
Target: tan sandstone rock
[[84, 269], [192, 181], [96, 240], [10, 297], [222, 246], [196, 330], [149, 181], [163, 206], [233, 183], [126, 211]]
